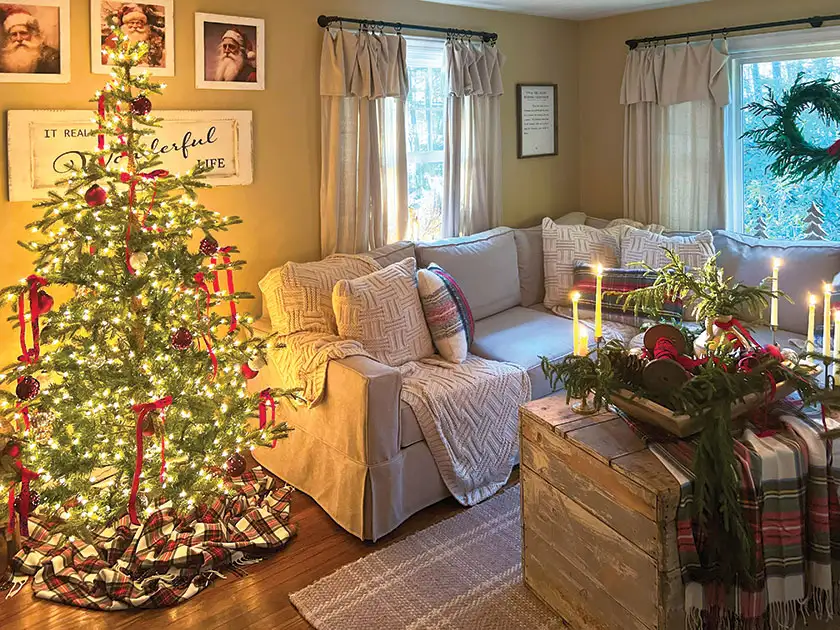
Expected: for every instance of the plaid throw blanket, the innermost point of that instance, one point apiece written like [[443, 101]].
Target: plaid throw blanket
[[789, 495], [164, 561]]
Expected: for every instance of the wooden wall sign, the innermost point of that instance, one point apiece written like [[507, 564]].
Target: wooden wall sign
[[41, 144]]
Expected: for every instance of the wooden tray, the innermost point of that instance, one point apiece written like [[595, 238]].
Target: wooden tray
[[684, 425]]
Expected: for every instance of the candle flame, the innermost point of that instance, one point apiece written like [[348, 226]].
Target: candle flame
[[812, 299], [837, 315], [599, 269], [575, 296], [777, 262], [827, 288]]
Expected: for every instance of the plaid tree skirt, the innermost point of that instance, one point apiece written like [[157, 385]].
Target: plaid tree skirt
[[163, 561]]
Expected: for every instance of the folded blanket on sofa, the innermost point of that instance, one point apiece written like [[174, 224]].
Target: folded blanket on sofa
[[469, 415], [468, 412]]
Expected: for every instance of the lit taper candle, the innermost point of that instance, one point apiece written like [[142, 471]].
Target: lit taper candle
[[583, 343], [575, 321], [812, 313], [836, 342], [774, 301], [827, 291], [599, 324]]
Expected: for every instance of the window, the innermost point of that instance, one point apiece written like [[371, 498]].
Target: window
[[425, 130], [759, 203]]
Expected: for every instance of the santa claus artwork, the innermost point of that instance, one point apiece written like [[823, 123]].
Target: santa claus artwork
[[236, 60], [23, 49], [141, 23]]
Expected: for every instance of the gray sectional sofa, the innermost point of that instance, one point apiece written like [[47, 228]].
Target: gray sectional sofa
[[361, 454]]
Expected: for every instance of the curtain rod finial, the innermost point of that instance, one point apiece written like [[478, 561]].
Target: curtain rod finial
[[324, 21], [632, 44]]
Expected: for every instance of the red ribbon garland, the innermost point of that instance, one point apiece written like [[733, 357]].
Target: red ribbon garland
[[126, 178], [142, 411], [212, 354], [267, 401], [26, 476], [31, 356], [834, 149], [225, 251], [100, 140]]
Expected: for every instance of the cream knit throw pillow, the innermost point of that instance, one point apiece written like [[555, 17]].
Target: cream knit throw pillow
[[641, 246], [298, 296], [563, 246], [382, 311]]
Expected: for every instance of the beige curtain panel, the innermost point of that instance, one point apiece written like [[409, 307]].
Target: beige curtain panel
[[364, 180], [674, 170], [472, 168]]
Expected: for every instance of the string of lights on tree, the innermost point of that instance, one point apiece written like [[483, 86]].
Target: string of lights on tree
[[134, 390]]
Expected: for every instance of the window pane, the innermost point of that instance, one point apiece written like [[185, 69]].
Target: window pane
[[779, 206], [425, 130]]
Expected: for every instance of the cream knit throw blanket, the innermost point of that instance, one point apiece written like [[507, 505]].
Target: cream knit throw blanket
[[468, 412]]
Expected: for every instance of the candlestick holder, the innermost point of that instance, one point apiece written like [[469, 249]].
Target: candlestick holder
[[582, 407], [773, 330]]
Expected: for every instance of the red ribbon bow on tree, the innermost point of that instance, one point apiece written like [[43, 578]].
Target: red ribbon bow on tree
[[142, 411], [40, 303], [225, 252], [26, 476], [266, 403]]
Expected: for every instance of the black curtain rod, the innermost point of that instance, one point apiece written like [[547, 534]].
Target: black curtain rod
[[325, 21], [814, 22]]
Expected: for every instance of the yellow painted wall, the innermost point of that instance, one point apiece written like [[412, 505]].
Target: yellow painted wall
[[602, 56], [280, 209]]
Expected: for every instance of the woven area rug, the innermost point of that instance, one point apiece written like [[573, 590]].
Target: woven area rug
[[465, 572]]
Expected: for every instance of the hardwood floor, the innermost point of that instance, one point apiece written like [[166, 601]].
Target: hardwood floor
[[258, 600]]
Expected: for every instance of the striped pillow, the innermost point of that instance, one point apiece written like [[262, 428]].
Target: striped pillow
[[623, 281], [447, 313]]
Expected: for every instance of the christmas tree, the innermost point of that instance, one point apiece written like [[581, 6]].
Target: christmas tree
[[133, 390], [814, 220], [760, 228]]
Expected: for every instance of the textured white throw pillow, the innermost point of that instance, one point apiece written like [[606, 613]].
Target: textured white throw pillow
[[641, 246], [298, 296], [563, 246], [382, 311]]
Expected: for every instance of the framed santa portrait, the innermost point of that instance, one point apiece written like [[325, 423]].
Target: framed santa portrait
[[149, 22], [35, 41], [229, 52]]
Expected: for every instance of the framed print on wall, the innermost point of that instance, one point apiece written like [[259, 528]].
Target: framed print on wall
[[536, 120], [229, 52], [35, 41], [151, 22]]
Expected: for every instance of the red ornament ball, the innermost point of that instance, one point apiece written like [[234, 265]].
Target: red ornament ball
[[44, 302], [208, 246], [34, 501], [96, 196], [182, 339], [141, 106], [235, 465], [28, 388], [13, 450]]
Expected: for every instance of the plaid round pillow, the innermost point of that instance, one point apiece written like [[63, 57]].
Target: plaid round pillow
[[447, 313]]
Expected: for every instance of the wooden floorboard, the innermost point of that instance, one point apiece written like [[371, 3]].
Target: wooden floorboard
[[257, 600]]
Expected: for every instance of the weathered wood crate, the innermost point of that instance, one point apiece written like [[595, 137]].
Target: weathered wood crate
[[598, 511]]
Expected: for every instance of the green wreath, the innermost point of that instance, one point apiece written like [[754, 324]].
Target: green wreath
[[797, 159]]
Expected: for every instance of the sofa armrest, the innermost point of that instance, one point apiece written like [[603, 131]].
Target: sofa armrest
[[360, 413]]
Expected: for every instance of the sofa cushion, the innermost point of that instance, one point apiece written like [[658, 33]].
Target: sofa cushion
[[521, 336], [447, 312], [298, 296], [484, 266], [382, 311], [807, 266], [410, 431], [392, 253], [643, 246], [565, 245], [529, 253]]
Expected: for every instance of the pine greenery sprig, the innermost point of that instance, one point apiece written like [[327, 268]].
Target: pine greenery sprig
[[797, 160], [705, 290]]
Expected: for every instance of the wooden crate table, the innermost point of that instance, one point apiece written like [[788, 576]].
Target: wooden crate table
[[598, 511]]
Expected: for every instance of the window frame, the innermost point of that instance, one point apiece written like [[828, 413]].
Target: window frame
[[749, 49]]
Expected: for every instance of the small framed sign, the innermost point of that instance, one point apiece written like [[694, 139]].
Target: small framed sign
[[536, 119]]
